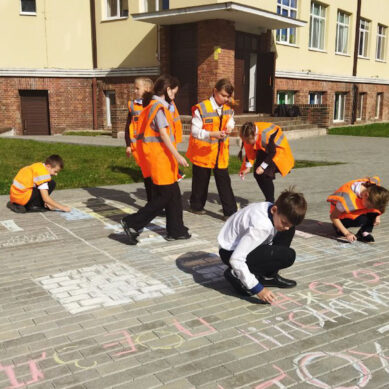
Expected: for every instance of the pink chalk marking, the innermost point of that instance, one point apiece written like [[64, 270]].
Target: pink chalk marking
[[379, 263], [374, 276], [308, 358], [282, 299], [255, 340], [368, 354], [275, 380], [185, 331], [36, 374], [127, 338], [293, 320], [314, 284]]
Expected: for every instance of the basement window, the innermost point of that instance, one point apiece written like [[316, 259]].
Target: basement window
[[27, 7]]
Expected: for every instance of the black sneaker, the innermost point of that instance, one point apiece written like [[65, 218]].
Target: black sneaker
[[16, 207], [199, 212], [131, 233], [236, 283], [277, 281], [181, 237], [365, 239]]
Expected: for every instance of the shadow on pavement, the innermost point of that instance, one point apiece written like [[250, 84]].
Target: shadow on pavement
[[207, 270], [319, 228]]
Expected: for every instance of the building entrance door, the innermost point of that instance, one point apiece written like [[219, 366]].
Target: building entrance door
[[35, 112]]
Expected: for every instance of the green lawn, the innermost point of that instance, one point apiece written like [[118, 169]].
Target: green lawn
[[85, 166], [376, 129]]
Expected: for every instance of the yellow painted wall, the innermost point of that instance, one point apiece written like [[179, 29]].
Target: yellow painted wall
[[125, 43], [58, 36]]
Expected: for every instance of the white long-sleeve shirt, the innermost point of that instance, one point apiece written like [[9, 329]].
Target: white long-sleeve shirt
[[247, 229], [197, 129]]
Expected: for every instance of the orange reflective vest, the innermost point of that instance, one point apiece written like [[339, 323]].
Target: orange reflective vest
[[26, 179], [352, 204], [135, 109], [204, 152], [155, 158], [177, 124], [283, 157]]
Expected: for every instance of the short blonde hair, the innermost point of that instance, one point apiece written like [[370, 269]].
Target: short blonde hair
[[147, 82]]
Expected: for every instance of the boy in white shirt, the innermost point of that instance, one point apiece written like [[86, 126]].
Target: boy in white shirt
[[254, 243]]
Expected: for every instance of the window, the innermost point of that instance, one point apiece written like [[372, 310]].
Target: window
[[153, 5], [342, 25], [285, 97], [378, 105], [317, 28], [109, 102], [117, 9], [315, 98], [360, 106], [28, 7], [340, 99], [363, 38], [287, 8], [381, 42]]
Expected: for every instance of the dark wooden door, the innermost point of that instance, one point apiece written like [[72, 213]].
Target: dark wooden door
[[265, 82], [35, 112], [183, 64]]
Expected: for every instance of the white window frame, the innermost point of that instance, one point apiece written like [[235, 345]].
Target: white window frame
[[342, 26], [21, 12], [109, 97], [378, 103], [317, 97], [341, 103], [144, 5], [290, 10], [381, 43], [289, 96], [118, 7], [321, 19], [361, 102], [363, 44]]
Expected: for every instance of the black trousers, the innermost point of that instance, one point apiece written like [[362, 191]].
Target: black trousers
[[267, 260], [200, 183], [265, 180], [365, 221], [36, 197], [166, 197], [148, 186]]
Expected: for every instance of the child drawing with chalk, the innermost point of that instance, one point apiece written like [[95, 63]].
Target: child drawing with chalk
[[255, 244], [267, 149], [358, 203]]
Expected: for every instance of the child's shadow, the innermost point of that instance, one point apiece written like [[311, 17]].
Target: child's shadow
[[319, 228], [207, 270]]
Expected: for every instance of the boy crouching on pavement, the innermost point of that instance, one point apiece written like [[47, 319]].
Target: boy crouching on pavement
[[254, 244]]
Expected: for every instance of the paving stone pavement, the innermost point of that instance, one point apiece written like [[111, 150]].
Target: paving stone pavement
[[81, 309]]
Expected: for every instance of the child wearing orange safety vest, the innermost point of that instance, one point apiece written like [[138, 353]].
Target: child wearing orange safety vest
[[31, 188], [358, 203], [135, 107], [268, 150], [156, 147], [208, 150]]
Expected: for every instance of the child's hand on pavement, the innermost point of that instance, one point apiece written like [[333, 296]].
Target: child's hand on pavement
[[351, 237], [377, 220], [266, 295]]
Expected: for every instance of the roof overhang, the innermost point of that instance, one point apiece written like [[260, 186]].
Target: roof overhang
[[238, 13]]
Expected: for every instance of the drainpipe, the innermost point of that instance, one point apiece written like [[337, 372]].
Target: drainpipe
[[355, 64], [94, 58]]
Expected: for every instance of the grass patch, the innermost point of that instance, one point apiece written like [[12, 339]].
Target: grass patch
[[376, 129], [87, 133], [85, 166]]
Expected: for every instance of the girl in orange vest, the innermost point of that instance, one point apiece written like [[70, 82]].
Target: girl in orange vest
[[358, 203], [212, 121], [156, 146], [31, 188], [135, 107], [266, 144]]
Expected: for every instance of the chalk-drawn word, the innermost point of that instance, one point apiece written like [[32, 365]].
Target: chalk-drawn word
[[75, 362], [19, 240], [36, 374]]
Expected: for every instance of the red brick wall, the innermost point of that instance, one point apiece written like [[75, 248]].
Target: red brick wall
[[213, 33], [303, 87]]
